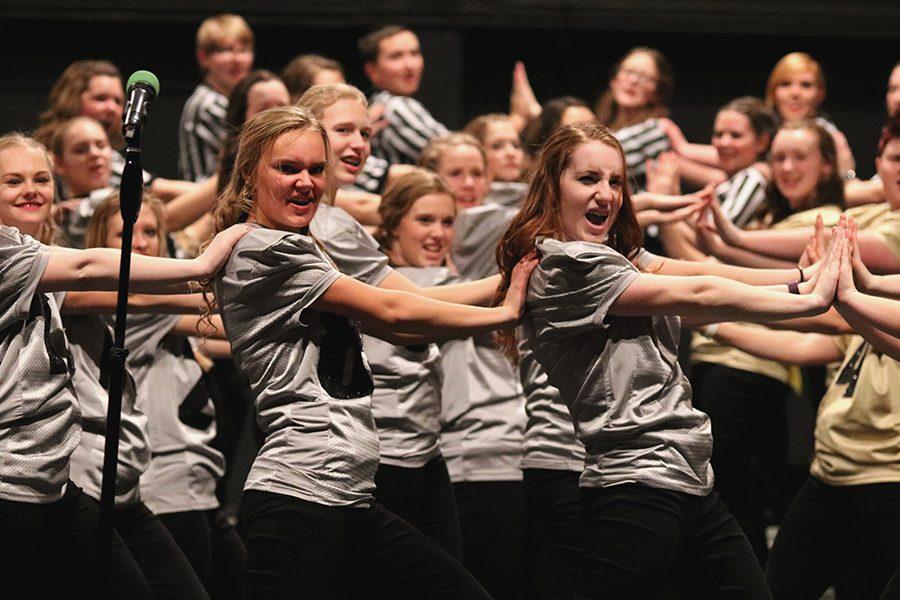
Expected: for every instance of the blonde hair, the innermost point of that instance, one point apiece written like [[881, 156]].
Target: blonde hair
[[49, 228], [434, 151], [216, 29], [789, 65], [257, 138], [319, 97], [98, 227], [64, 101], [397, 201]]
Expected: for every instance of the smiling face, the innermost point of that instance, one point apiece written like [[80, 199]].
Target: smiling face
[[349, 133], [85, 163], [290, 180], [226, 64], [735, 141], [798, 96], [634, 84], [265, 95], [423, 236], [103, 100], [145, 238], [505, 157], [463, 170], [591, 189], [26, 189], [888, 166], [798, 166], [399, 65], [892, 99]]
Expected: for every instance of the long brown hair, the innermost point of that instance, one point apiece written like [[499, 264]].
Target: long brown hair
[[540, 214], [98, 227], [828, 190], [401, 196], [64, 101], [607, 109]]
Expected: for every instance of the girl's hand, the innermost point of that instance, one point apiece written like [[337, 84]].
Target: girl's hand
[[523, 104], [663, 174], [689, 209], [846, 286], [826, 286], [861, 274], [674, 133], [216, 254], [730, 233], [518, 285]]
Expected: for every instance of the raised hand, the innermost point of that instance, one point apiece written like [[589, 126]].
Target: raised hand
[[663, 174], [729, 232], [861, 274], [523, 104], [827, 283], [674, 133]]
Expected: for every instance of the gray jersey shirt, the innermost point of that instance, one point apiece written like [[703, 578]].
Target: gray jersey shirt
[[407, 398], [507, 193], [354, 252], [89, 339], [483, 407], [619, 375], [184, 468], [306, 368], [38, 408]]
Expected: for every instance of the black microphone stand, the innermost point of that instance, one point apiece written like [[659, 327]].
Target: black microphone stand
[[130, 205]]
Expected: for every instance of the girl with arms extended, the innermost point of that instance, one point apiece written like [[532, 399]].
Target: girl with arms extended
[[650, 512], [308, 504]]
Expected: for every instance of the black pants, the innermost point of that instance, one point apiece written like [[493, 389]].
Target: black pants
[[638, 538], [214, 550], [845, 536], [298, 549], [423, 497], [162, 562], [51, 551], [492, 521], [749, 426], [555, 533]]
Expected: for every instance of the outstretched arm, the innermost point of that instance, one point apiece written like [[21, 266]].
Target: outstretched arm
[[783, 346], [98, 268]]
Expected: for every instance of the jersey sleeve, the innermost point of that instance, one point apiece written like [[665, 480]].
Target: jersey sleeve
[[22, 263], [355, 253]]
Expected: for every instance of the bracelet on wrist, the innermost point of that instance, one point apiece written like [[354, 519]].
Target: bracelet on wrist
[[802, 277], [794, 287]]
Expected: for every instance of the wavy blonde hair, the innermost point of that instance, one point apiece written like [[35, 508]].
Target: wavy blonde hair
[[236, 202], [49, 229]]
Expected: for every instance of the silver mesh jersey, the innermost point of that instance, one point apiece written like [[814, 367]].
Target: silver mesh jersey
[[619, 376], [90, 339], [483, 407], [407, 398], [312, 384], [38, 408], [353, 251], [181, 423]]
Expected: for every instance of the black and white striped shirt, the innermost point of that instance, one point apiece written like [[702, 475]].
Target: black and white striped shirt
[[201, 133], [410, 127], [743, 195], [642, 141], [373, 176], [118, 167]]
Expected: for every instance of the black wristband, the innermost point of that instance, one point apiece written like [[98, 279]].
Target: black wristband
[[802, 279], [794, 287]]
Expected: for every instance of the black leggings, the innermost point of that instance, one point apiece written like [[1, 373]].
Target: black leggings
[[214, 550], [555, 533], [423, 497], [845, 536], [51, 551], [492, 520], [298, 549], [638, 538], [749, 425], [162, 562]]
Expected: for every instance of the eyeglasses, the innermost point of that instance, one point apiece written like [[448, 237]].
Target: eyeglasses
[[641, 78], [234, 50]]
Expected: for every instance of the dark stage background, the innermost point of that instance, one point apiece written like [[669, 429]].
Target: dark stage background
[[719, 49]]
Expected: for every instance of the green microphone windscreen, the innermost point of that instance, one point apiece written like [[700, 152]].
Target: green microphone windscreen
[[145, 77]]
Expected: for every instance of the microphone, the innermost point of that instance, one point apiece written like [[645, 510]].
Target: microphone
[[141, 90]]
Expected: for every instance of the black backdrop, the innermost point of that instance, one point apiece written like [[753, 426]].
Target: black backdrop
[[719, 49]]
